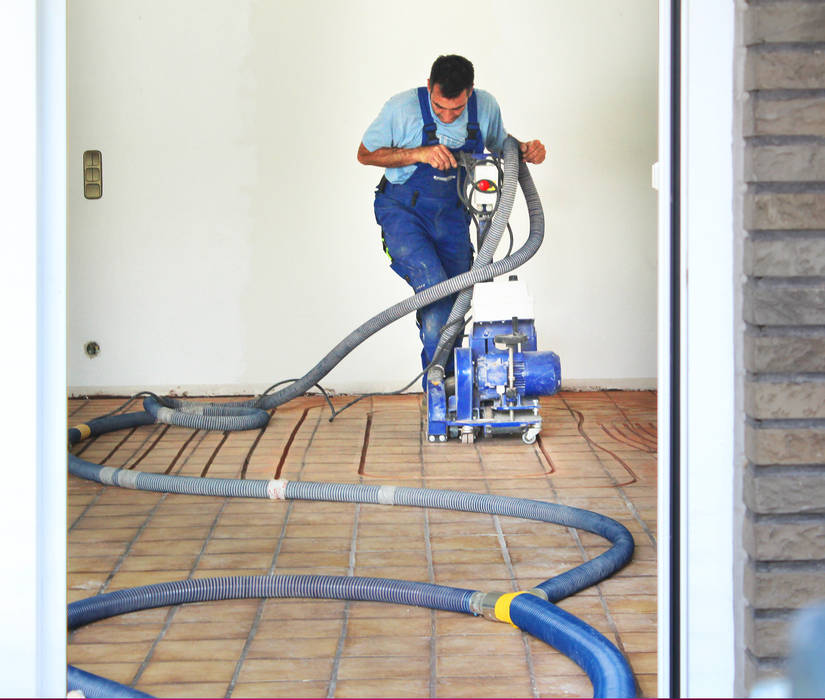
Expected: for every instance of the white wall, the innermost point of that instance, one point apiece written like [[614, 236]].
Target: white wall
[[235, 241]]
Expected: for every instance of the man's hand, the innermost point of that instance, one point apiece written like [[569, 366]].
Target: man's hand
[[438, 156], [533, 152]]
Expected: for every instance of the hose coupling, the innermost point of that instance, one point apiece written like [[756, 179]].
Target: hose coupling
[[496, 606], [484, 604]]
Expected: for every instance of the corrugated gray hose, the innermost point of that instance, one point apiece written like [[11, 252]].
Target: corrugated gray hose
[[210, 416]]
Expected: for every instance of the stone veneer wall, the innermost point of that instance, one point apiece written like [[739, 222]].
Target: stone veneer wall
[[784, 312]]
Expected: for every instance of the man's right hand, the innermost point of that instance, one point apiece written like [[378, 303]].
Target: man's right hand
[[438, 156]]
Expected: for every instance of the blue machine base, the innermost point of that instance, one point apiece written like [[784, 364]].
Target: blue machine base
[[496, 389]]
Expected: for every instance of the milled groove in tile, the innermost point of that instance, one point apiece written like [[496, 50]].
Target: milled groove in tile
[[254, 445], [182, 449], [366, 442], [171, 614], [627, 501], [285, 452], [214, 454], [508, 563], [79, 408], [253, 630], [616, 431], [342, 638], [151, 447], [652, 445]]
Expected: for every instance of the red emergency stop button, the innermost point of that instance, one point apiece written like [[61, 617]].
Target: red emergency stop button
[[486, 186]]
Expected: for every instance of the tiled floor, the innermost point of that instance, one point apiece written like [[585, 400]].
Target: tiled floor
[[601, 449]]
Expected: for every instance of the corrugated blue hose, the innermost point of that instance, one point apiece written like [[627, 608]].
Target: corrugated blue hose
[[601, 660], [348, 588]]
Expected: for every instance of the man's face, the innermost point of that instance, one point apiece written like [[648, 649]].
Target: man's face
[[445, 108]]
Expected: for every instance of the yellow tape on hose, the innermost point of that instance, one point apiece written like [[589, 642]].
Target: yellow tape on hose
[[85, 431], [502, 608]]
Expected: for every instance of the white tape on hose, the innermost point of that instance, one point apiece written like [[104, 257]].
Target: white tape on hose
[[386, 495], [276, 489]]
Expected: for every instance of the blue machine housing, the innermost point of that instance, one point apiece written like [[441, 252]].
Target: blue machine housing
[[498, 380]]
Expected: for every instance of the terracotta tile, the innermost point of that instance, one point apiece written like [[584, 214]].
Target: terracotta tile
[[226, 610], [565, 686], [549, 666], [227, 629], [181, 671], [292, 648], [387, 646], [383, 688], [376, 667], [639, 641], [281, 689], [113, 631], [372, 627], [203, 650], [114, 671], [258, 670], [365, 609], [303, 610], [468, 666], [648, 684], [473, 687], [298, 629], [130, 579], [80, 654], [184, 690]]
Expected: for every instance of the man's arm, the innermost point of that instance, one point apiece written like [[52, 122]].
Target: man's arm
[[438, 156]]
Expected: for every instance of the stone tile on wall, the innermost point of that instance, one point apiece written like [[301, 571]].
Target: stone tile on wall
[[790, 162], [789, 21], [784, 585], [785, 68], [801, 115], [784, 302], [785, 537], [767, 635], [785, 445], [778, 399], [777, 490], [785, 351], [787, 256], [785, 211]]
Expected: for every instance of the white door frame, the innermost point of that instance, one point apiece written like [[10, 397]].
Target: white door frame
[[697, 656]]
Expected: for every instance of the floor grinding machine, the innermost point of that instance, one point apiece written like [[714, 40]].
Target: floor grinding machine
[[500, 374]]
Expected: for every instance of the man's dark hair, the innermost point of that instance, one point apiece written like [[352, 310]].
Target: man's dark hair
[[453, 74]]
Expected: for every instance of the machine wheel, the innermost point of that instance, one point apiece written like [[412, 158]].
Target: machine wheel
[[528, 437]]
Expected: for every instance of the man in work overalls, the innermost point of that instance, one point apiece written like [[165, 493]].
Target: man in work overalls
[[425, 228]]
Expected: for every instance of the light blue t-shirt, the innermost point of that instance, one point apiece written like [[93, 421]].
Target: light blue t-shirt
[[399, 125]]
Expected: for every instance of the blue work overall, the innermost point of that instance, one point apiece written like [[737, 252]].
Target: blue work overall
[[425, 228]]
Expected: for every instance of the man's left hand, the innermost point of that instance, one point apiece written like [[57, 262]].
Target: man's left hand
[[533, 152]]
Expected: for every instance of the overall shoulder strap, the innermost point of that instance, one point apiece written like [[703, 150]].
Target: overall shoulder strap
[[428, 137], [473, 128]]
